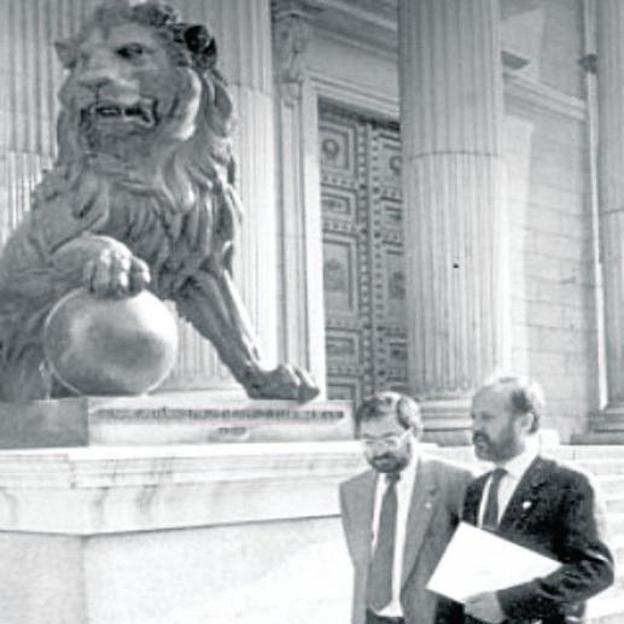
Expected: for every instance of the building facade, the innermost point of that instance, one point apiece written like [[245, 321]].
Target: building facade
[[432, 193]]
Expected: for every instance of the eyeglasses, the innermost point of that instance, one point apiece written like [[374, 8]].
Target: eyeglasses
[[389, 442]]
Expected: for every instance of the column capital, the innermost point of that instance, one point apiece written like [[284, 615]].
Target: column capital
[[303, 9]]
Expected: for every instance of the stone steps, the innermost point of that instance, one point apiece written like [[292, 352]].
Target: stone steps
[[611, 467], [611, 486], [606, 463], [587, 452], [608, 608], [615, 504]]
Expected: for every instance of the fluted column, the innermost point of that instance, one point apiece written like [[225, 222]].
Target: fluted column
[[243, 32], [610, 34], [30, 76], [300, 282], [451, 127]]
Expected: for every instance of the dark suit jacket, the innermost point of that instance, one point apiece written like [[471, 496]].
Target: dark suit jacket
[[553, 511], [433, 515]]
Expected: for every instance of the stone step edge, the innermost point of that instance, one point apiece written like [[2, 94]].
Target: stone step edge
[[605, 607]]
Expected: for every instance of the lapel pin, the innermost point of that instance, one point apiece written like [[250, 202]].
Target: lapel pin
[[428, 505], [526, 504]]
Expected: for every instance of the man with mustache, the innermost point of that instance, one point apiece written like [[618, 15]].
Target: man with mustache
[[399, 516], [537, 503]]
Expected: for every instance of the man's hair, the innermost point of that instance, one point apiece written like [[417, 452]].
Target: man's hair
[[379, 405], [525, 394]]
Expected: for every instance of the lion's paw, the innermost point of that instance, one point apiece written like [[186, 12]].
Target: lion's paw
[[285, 382], [116, 273]]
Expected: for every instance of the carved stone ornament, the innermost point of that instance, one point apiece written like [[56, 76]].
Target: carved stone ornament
[[291, 37], [141, 197]]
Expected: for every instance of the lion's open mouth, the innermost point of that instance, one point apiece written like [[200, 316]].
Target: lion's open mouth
[[142, 113]]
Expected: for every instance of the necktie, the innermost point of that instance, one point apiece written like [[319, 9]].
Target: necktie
[[490, 516], [379, 589]]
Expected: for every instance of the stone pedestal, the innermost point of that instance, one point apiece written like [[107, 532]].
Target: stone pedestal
[[175, 418], [175, 535], [453, 178], [447, 421]]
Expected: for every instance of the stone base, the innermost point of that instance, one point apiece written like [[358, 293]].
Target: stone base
[[602, 438], [237, 533], [174, 418], [606, 428], [447, 421], [239, 575]]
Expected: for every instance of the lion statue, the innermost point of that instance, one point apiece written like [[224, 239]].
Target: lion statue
[[140, 197]]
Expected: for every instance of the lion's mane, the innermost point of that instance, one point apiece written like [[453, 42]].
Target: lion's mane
[[189, 215]]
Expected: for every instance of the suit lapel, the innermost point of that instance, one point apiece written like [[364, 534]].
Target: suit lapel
[[525, 495], [419, 515], [362, 517]]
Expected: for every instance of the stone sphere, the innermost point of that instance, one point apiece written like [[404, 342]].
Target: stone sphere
[[110, 346]]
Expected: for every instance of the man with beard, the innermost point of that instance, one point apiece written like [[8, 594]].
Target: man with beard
[[534, 502], [399, 516]]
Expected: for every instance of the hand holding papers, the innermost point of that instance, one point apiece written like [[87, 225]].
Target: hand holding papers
[[477, 561]]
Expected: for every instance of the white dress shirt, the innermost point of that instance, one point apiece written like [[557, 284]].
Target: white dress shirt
[[404, 490], [514, 471]]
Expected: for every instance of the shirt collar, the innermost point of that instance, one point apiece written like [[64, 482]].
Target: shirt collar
[[410, 470], [518, 465]]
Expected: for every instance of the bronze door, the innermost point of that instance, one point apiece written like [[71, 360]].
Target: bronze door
[[364, 278]]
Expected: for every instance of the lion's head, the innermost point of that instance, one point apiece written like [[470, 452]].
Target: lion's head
[[144, 137], [140, 84]]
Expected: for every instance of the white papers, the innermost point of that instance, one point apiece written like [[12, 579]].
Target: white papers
[[478, 561]]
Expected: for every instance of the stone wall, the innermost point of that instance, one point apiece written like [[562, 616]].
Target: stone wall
[[179, 534], [553, 297]]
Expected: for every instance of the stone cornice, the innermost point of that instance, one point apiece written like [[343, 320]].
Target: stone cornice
[[355, 96], [383, 13], [123, 466], [531, 92], [110, 490], [292, 32], [370, 24], [542, 96]]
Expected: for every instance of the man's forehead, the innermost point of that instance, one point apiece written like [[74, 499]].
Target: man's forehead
[[496, 397], [382, 424]]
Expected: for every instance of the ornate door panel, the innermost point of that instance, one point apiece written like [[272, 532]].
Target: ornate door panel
[[363, 254]]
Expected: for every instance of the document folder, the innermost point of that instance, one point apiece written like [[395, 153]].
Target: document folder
[[477, 561]]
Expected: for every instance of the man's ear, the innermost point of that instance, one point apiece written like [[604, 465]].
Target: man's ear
[[525, 422], [417, 430]]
